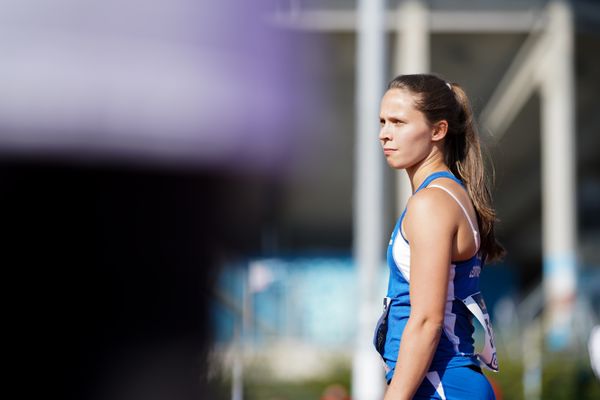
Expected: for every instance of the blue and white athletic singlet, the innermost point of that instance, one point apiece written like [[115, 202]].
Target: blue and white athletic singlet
[[456, 346]]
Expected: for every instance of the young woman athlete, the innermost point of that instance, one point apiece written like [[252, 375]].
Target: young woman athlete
[[438, 246]]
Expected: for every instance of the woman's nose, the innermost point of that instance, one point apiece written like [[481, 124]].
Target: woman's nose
[[384, 134]]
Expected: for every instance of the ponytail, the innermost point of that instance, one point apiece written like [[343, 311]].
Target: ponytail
[[439, 100], [464, 158]]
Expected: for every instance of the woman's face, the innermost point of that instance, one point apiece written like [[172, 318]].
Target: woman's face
[[405, 133]]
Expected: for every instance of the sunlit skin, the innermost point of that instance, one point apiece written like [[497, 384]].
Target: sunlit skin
[[435, 227]]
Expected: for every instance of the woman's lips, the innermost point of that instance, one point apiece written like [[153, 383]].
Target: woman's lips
[[388, 151]]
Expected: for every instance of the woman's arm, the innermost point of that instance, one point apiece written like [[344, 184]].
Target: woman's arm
[[430, 227]]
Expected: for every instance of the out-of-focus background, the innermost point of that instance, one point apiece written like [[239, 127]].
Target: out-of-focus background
[[194, 204]]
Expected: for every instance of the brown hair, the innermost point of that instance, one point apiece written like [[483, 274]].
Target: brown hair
[[439, 100]]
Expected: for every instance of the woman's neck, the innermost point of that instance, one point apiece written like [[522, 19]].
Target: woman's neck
[[419, 172]]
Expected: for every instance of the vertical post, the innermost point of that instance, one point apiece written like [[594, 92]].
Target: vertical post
[[532, 360], [367, 371], [411, 56], [241, 329], [237, 370], [559, 177]]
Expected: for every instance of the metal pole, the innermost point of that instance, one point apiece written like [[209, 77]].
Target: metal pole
[[367, 371], [411, 56], [237, 370], [241, 330], [558, 177]]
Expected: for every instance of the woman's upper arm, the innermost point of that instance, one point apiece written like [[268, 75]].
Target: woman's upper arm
[[430, 227]]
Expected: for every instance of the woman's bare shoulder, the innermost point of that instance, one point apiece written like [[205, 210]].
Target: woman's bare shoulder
[[430, 206]]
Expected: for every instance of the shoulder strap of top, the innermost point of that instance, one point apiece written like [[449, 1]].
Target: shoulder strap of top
[[475, 233], [436, 175], [427, 181]]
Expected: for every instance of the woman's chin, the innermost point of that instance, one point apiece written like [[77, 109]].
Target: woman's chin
[[395, 164]]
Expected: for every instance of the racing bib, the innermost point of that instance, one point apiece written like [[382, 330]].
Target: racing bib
[[487, 356]]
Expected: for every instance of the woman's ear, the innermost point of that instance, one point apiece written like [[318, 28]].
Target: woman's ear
[[440, 129]]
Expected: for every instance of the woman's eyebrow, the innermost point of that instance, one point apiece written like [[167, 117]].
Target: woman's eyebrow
[[397, 119]]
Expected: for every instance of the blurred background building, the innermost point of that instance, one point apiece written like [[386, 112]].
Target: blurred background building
[[179, 182]]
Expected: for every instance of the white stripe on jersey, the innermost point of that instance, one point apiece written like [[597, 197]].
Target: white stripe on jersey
[[449, 316], [434, 378]]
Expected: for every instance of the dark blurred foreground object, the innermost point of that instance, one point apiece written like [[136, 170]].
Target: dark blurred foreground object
[[124, 132], [112, 274]]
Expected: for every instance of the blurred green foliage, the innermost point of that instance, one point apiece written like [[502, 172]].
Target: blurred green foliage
[[259, 383], [508, 381], [567, 377], [564, 377]]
